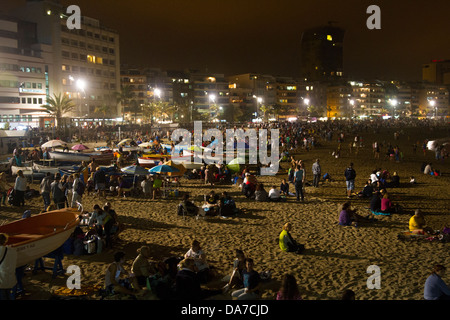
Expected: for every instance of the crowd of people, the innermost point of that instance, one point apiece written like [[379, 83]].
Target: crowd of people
[[184, 277]]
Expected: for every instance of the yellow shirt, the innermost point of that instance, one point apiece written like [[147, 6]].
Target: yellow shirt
[[416, 223]]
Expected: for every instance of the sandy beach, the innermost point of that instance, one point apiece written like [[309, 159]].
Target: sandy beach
[[336, 257]]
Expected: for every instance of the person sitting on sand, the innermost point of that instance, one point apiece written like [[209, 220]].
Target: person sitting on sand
[[236, 275], [435, 288], [395, 180], [428, 169], [367, 191], [274, 194], [187, 207], [387, 206], [417, 224], [375, 202], [289, 289], [227, 206], [287, 243], [284, 188], [114, 283], [102, 222], [211, 205], [141, 267], [198, 255], [251, 280], [260, 193], [187, 284], [123, 187]]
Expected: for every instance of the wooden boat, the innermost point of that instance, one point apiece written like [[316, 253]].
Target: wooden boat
[[80, 156], [41, 234], [148, 162]]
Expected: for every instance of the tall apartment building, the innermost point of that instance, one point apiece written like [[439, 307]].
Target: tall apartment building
[[322, 53], [433, 100], [83, 63], [23, 75], [147, 85], [437, 72]]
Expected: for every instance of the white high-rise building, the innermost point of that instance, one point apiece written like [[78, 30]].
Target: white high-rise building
[[22, 76], [83, 63]]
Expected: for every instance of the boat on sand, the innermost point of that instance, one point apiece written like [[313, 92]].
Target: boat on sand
[[41, 234]]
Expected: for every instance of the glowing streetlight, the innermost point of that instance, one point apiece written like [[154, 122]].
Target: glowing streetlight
[[157, 92], [81, 84], [432, 104], [306, 101], [393, 103], [212, 98]]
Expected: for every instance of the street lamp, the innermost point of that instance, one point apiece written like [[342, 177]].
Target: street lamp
[[259, 101], [433, 105], [157, 92], [81, 85], [393, 103], [352, 103]]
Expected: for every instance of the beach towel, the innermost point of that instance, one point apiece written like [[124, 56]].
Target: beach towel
[[379, 213]]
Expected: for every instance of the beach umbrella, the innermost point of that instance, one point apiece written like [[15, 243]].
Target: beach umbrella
[[124, 141], [195, 148], [163, 168], [233, 165], [135, 170], [145, 144], [79, 147], [53, 143], [179, 166]]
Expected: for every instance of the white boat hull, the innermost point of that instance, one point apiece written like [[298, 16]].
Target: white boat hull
[[28, 252]]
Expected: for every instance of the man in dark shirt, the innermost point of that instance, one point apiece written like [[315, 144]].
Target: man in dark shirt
[[100, 181], [251, 280]]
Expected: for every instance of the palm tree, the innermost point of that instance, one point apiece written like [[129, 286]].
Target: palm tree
[[266, 110], [58, 106], [135, 108], [103, 110], [124, 96]]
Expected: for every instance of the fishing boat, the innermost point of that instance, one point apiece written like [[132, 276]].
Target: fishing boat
[[148, 162], [38, 235], [80, 156]]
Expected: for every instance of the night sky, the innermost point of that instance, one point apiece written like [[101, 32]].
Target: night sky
[[240, 36]]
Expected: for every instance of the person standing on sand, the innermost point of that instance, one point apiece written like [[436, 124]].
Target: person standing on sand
[[350, 175], [316, 170], [299, 179], [8, 257]]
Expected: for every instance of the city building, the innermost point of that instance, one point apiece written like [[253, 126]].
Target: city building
[[437, 72], [23, 76], [322, 53], [83, 63]]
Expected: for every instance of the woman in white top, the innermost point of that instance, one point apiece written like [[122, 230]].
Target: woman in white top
[[114, 283], [20, 187], [373, 177], [196, 253]]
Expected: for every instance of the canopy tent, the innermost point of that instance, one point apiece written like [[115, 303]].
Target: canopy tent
[[179, 166], [53, 143]]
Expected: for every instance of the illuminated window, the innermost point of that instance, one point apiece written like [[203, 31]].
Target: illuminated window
[[99, 60], [329, 37], [290, 88], [232, 86], [91, 58]]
